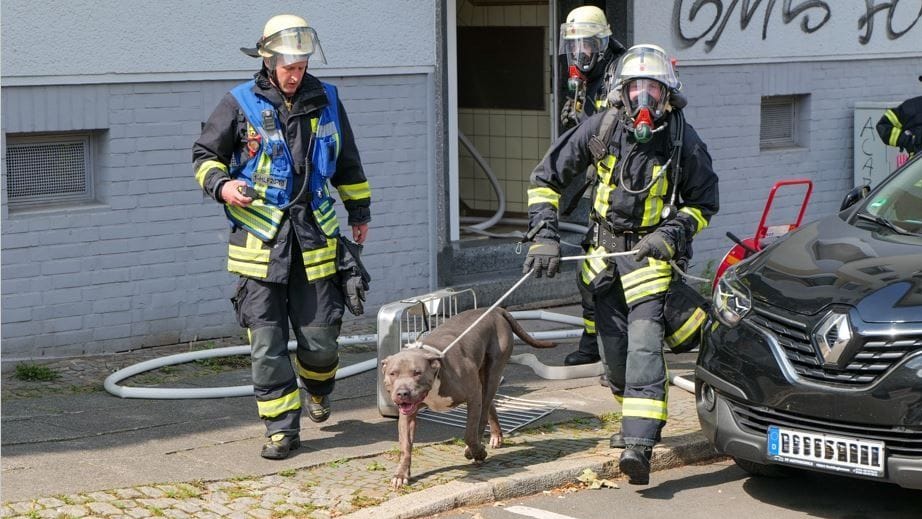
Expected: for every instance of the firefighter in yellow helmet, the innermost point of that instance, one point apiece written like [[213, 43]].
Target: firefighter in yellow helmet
[[269, 153], [586, 41], [656, 190], [591, 52]]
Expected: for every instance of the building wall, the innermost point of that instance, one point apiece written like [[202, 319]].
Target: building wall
[[144, 263]]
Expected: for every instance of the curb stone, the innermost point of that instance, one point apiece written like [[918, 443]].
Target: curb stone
[[535, 479]]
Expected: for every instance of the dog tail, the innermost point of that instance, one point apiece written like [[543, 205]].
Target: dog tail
[[522, 334]]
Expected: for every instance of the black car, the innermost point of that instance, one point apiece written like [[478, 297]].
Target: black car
[[813, 354]]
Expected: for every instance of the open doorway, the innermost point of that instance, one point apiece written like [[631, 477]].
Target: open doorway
[[504, 99]]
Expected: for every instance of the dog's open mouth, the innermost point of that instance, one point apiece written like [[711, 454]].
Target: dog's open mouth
[[408, 407]]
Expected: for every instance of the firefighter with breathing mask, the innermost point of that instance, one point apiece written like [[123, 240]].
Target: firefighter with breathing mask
[[656, 190], [268, 153], [591, 51]]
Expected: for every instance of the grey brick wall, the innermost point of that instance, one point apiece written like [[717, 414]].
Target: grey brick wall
[[724, 107], [145, 264]]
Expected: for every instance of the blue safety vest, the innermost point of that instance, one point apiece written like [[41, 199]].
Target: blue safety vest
[[270, 170]]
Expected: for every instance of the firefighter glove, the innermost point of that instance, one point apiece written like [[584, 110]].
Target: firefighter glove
[[355, 295], [543, 256], [569, 116], [909, 141], [658, 245]]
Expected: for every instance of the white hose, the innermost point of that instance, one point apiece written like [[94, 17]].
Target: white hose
[[500, 195], [525, 359]]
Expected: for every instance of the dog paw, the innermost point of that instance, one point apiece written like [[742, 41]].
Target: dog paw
[[477, 453], [496, 441], [400, 480]]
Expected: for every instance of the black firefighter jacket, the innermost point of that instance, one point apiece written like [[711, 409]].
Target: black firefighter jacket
[[225, 133], [629, 166]]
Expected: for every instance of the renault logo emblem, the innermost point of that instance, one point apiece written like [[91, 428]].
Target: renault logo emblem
[[832, 337]]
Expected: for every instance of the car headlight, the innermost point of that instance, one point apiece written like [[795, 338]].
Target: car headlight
[[732, 300]]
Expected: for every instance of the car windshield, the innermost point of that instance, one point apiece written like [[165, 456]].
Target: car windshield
[[899, 200]]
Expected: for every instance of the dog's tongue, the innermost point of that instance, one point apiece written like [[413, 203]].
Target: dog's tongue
[[407, 408]]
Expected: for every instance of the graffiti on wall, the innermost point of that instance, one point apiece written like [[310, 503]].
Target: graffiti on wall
[[812, 14]]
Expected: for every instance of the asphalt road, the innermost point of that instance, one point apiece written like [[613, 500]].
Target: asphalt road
[[713, 491]]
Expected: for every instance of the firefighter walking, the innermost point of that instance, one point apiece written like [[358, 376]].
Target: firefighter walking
[[585, 39], [268, 153], [656, 190]]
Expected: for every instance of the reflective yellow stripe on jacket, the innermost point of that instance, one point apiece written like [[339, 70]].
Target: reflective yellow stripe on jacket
[[897, 127], [320, 263], [653, 205], [358, 191], [204, 168], [603, 191], [592, 267], [646, 281], [251, 261], [543, 195]]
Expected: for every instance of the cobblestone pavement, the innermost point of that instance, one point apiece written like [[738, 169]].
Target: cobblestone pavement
[[340, 487]]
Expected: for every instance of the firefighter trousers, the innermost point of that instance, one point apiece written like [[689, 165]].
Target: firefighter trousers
[[629, 321], [315, 312]]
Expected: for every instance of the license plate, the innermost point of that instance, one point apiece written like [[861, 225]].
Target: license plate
[[826, 451]]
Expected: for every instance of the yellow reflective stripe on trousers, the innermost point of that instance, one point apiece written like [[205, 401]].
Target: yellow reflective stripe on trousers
[[204, 168], [644, 408], [543, 195], [653, 205], [688, 328], [897, 127], [588, 325], [358, 191], [695, 213], [283, 404], [651, 288], [252, 260], [319, 376], [320, 263]]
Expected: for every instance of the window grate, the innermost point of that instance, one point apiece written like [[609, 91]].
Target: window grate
[[48, 171], [777, 122]]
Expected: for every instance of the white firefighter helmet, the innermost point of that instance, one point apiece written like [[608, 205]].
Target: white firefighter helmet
[[645, 78], [584, 37], [288, 39]]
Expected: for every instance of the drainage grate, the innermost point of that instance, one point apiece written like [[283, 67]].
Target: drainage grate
[[513, 413]]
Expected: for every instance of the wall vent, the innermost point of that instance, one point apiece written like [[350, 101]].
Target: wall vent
[[48, 170]]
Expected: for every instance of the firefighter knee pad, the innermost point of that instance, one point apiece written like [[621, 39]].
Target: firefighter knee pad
[[271, 364], [317, 345]]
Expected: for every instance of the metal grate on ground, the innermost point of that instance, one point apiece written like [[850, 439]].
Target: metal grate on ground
[[514, 413]]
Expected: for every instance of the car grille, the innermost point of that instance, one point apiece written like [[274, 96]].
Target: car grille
[[757, 419], [876, 357]]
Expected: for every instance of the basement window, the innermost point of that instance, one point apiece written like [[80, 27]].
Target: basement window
[[783, 123], [49, 170]]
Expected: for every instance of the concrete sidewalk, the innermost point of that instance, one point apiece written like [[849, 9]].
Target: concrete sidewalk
[[70, 449]]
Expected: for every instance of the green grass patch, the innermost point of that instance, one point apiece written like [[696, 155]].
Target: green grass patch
[[32, 372]]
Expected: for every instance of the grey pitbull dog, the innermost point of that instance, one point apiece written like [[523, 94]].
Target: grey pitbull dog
[[469, 373]]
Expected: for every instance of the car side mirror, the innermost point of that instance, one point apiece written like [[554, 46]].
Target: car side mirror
[[854, 196]]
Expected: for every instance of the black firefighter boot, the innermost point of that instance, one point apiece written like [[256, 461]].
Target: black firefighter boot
[[635, 463], [279, 445], [587, 352]]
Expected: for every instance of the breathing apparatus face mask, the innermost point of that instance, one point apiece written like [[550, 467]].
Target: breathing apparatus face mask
[[645, 104], [583, 52]]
